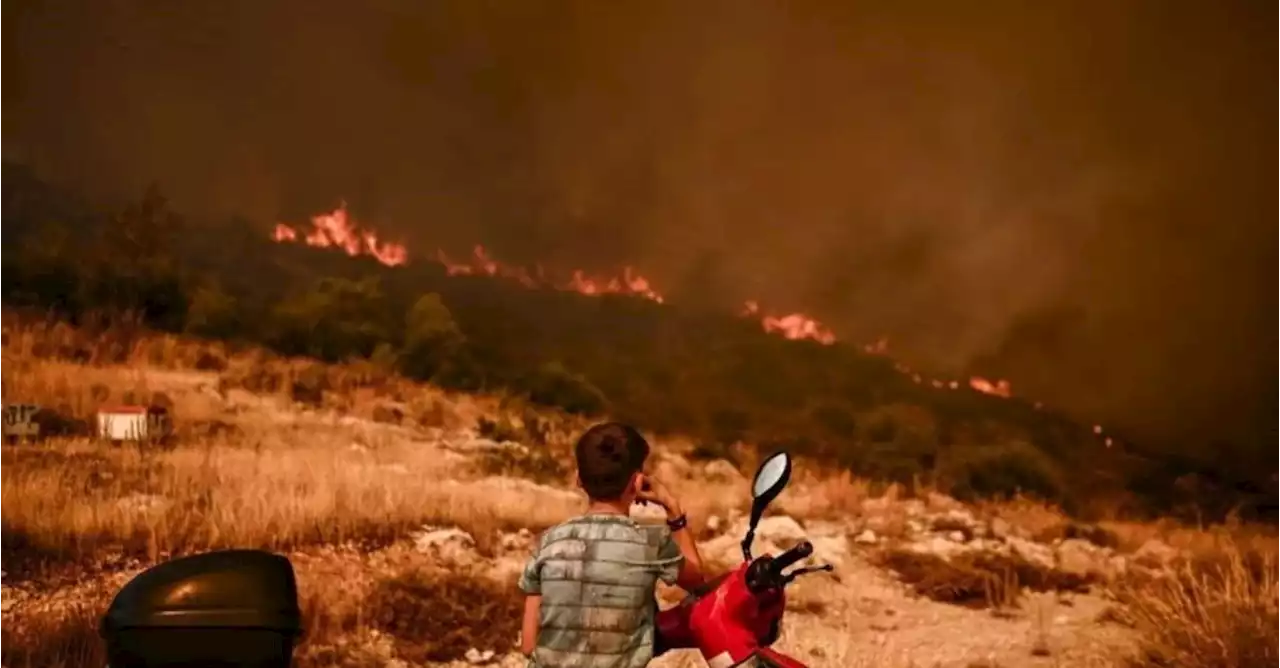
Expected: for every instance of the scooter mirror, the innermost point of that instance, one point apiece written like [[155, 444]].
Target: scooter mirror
[[771, 478]]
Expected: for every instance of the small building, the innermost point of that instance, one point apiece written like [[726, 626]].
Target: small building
[[20, 421], [133, 423]]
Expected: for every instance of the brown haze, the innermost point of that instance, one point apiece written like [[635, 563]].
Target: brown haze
[[1074, 197]]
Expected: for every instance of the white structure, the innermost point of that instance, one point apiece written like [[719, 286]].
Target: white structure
[[133, 423], [19, 421]]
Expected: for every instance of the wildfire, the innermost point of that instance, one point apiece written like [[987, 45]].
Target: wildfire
[[337, 229], [795, 326], [999, 388]]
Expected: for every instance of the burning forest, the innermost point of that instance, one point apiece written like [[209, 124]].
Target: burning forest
[[338, 230]]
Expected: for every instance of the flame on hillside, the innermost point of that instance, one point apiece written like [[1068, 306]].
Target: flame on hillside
[[336, 229], [795, 326]]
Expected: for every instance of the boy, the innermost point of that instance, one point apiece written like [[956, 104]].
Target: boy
[[590, 585]]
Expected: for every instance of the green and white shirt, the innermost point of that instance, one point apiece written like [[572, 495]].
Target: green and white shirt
[[597, 575]]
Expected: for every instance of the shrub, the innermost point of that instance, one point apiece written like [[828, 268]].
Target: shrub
[[435, 615], [336, 319], [977, 579], [972, 472], [212, 313], [431, 339], [554, 385]]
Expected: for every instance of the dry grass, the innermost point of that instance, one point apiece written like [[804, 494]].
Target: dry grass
[[1215, 612], [56, 637], [73, 501], [342, 496], [977, 579], [422, 611]]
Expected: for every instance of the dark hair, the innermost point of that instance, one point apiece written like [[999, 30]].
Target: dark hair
[[608, 455]]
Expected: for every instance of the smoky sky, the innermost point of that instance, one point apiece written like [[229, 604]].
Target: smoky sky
[[1075, 195]]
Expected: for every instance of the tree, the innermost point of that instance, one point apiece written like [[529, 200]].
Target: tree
[[432, 339], [336, 319], [554, 385], [212, 313], [130, 265]]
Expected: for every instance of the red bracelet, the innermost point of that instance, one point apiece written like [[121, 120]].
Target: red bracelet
[[678, 523]]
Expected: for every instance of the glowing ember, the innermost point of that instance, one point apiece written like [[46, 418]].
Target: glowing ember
[[999, 388], [284, 233], [880, 347]]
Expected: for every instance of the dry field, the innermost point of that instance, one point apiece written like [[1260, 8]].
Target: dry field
[[408, 511]]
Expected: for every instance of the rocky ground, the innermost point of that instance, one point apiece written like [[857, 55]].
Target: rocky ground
[[920, 579]]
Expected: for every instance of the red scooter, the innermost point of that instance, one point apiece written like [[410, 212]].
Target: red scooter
[[735, 618]]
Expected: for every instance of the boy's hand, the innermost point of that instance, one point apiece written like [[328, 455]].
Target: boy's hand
[[653, 491]]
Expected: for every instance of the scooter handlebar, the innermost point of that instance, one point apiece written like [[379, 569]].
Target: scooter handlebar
[[783, 561]]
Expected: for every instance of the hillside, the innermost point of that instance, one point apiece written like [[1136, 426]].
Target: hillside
[[716, 377], [407, 512]]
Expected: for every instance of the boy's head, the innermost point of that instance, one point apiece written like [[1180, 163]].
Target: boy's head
[[610, 457]]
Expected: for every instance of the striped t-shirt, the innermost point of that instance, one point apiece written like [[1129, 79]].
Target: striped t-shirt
[[597, 575]]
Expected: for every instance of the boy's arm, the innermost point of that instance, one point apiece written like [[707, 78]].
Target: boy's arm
[[529, 627], [681, 541], [531, 585], [691, 575]]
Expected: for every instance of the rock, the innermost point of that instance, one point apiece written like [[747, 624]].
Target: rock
[[1156, 553], [867, 537], [960, 517], [913, 507], [1116, 566], [878, 505], [780, 529], [720, 470], [726, 551], [956, 536], [1000, 528], [1033, 552], [937, 546], [450, 543], [773, 535], [833, 550], [475, 656], [388, 413], [939, 501], [1078, 557]]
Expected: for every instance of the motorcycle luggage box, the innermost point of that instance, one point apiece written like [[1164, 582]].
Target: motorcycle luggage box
[[228, 608]]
